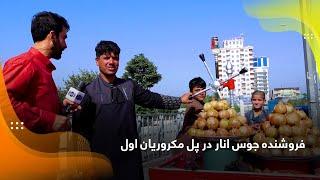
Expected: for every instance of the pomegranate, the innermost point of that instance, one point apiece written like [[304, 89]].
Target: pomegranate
[[219, 106], [302, 114], [242, 119], [225, 104], [201, 123], [285, 130], [192, 132], [289, 107], [234, 132], [202, 115], [212, 113], [259, 138], [244, 131], [271, 132], [222, 132], [224, 114], [277, 119], [293, 118], [298, 131], [265, 125], [209, 133], [234, 123], [212, 123], [232, 112], [224, 124], [307, 123], [214, 104], [280, 108]]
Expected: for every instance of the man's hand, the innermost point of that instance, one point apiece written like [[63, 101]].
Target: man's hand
[[185, 98], [61, 123], [74, 107]]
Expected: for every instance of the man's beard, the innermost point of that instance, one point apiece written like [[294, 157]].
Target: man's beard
[[56, 51]]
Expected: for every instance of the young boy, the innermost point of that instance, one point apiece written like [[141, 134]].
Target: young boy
[[192, 160], [257, 114], [195, 85]]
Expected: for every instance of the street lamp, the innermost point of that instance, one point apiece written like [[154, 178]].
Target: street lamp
[[229, 68]]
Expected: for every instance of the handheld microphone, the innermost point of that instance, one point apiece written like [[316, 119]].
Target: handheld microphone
[[75, 95]]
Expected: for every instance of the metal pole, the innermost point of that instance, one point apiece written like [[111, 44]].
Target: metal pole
[[310, 66], [229, 69]]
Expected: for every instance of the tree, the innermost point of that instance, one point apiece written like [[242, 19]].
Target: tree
[[237, 108], [208, 98], [143, 71], [74, 80]]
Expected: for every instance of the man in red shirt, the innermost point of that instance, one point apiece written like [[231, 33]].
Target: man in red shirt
[[28, 76]]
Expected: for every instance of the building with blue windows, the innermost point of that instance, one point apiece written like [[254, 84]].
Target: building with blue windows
[[261, 74]]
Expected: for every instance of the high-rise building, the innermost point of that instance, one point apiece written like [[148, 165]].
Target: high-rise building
[[234, 52], [261, 74]]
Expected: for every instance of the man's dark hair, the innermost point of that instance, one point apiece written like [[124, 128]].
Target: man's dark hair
[[44, 22], [197, 82], [104, 47]]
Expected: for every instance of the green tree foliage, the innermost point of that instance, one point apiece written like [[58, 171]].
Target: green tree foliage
[[237, 108], [143, 71], [208, 98], [74, 80]]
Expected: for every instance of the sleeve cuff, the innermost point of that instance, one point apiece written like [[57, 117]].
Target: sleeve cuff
[[171, 102]]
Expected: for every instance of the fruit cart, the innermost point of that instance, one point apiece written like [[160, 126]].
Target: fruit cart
[[284, 124], [273, 161]]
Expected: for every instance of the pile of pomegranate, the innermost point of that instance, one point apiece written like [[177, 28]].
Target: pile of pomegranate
[[219, 120], [285, 122]]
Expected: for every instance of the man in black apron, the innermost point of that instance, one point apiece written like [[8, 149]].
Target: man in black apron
[[108, 115]]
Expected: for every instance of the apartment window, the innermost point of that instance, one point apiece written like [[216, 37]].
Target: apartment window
[[264, 61]]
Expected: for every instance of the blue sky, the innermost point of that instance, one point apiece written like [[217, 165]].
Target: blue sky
[[171, 33]]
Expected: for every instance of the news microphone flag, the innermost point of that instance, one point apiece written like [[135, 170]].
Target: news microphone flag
[[75, 95]]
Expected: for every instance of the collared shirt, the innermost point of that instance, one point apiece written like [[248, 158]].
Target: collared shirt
[[32, 91], [252, 119]]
